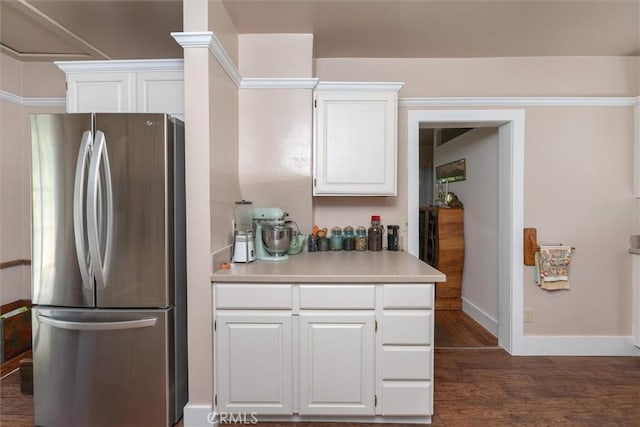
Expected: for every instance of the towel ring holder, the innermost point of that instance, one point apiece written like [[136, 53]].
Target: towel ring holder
[[531, 246]]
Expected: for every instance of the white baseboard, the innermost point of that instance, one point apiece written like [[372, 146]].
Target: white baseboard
[[377, 419], [539, 345], [480, 316], [543, 345], [198, 415]]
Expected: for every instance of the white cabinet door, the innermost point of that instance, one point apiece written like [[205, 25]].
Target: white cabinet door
[[160, 92], [101, 92], [355, 143], [337, 363], [254, 363]]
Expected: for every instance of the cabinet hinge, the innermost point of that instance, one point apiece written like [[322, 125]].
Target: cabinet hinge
[[376, 327], [215, 325], [375, 400], [315, 103], [314, 182], [215, 400]]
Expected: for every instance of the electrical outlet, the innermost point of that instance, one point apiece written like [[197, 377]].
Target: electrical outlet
[[528, 315]]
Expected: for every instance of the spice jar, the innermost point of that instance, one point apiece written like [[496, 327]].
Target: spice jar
[[336, 239], [311, 243], [392, 237], [361, 239], [374, 235], [322, 244], [348, 239]]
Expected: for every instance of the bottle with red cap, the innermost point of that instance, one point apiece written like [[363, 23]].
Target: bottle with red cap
[[374, 236]]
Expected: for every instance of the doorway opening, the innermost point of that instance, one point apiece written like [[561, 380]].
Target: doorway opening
[[510, 125]]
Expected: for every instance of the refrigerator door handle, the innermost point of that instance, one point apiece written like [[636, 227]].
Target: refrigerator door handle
[[97, 326], [82, 252], [99, 158]]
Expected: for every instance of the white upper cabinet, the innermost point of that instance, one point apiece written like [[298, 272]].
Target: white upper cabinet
[[355, 139], [144, 86], [101, 92]]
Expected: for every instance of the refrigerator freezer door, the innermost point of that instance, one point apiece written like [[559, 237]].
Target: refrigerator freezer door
[[102, 368], [60, 147], [134, 230]]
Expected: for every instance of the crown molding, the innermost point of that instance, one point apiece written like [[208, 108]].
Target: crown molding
[[530, 101], [32, 101], [121, 65], [360, 86], [278, 83], [44, 102], [209, 40], [193, 38], [225, 60]]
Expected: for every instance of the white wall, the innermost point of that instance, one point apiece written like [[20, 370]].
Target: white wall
[[211, 132], [14, 209], [19, 81], [479, 194], [578, 191], [275, 125], [578, 171]]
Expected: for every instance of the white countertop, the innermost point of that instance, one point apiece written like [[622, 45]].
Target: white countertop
[[331, 267]]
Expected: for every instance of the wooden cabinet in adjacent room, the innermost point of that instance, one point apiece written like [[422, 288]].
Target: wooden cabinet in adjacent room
[[442, 246]]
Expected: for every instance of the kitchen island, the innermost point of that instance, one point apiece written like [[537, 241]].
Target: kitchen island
[[337, 336]]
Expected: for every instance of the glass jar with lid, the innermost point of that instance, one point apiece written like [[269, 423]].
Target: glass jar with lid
[[348, 239], [375, 234], [336, 239], [361, 238]]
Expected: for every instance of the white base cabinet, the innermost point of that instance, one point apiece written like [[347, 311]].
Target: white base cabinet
[[301, 352]]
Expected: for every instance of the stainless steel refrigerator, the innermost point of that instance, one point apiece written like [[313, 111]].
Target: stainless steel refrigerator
[[108, 270]]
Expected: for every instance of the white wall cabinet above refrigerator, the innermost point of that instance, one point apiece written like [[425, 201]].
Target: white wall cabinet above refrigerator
[[142, 86], [355, 139]]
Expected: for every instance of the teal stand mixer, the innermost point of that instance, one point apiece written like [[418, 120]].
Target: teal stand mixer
[[273, 235]]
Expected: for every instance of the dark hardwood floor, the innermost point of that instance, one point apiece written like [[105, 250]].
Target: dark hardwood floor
[[455, 328], [477, 383], [486, 387], [16, 410]]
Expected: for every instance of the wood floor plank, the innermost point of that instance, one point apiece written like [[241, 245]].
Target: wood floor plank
[[455, 328]]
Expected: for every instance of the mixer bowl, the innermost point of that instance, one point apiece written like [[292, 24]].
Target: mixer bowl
[[276, 238], [297, 243]]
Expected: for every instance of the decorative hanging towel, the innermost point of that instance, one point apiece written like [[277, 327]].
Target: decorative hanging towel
[[553, 265]]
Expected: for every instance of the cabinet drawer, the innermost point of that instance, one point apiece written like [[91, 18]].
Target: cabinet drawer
[[408, 296], [407, 398], [406, 363], [407, 327], [337, 297], [240, 296]]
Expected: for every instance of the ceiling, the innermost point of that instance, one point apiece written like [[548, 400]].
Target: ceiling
[[44, 30], [449, 28]]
